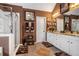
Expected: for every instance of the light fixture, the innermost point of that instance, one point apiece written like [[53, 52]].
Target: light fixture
[[56, 14], [28, 15], [75, 4]]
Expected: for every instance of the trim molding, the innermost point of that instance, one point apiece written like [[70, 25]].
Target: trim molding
[[14, 54]]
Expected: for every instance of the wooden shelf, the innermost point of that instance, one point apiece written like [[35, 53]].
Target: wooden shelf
[[29, 26], [51, 25]]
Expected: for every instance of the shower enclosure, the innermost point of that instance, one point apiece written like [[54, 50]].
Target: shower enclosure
[[6, 21], [10, 23], [16, 28]]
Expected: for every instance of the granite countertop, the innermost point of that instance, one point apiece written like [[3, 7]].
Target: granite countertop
[[66, 33]]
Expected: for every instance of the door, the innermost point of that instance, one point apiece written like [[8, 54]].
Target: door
[[40, 29]]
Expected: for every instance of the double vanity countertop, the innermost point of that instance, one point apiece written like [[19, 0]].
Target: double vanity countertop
[[66, 33]]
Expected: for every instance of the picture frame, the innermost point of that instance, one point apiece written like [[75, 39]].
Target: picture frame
[[29, 16]]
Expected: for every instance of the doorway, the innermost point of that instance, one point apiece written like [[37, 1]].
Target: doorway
[[40, 29]]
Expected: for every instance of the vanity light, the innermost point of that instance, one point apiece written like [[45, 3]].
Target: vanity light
[[28, 15], [56, 14], [75, 4]]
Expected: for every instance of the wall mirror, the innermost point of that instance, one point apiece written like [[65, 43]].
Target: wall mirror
[[75, 24], [67, 23]]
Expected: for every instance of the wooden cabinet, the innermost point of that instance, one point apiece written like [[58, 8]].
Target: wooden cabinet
[[29, 26], [29, 23], [68, 44]]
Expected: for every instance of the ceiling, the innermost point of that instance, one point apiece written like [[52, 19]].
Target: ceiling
[[37, 6], [74, 12]]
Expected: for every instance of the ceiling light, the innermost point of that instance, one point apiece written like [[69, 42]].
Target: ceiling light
[[75, 4], [28, 15], [56, 14]]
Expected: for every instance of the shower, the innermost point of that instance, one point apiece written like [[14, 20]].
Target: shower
[[6, 19], [10, 23]]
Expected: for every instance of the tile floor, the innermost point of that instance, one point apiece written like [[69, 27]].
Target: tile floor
[[33, 48]]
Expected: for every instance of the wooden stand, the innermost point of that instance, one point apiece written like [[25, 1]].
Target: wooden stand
[[29, 27]]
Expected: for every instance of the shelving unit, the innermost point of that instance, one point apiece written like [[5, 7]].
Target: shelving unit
[[29, 27], [51, 26], [54, 25]]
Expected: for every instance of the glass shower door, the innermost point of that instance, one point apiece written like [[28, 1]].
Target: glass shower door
[[5, 22], [16, 28], [10, 23]]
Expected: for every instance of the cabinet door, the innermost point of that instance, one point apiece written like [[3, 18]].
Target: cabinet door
[[74, 46], [64, 43], [58, 41], [49, 37], [53, 39]]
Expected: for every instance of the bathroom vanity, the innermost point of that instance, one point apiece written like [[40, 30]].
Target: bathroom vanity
[[67, 43]]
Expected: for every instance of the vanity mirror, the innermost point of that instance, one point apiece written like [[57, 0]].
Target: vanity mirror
[[67, 23], [75, 24]]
